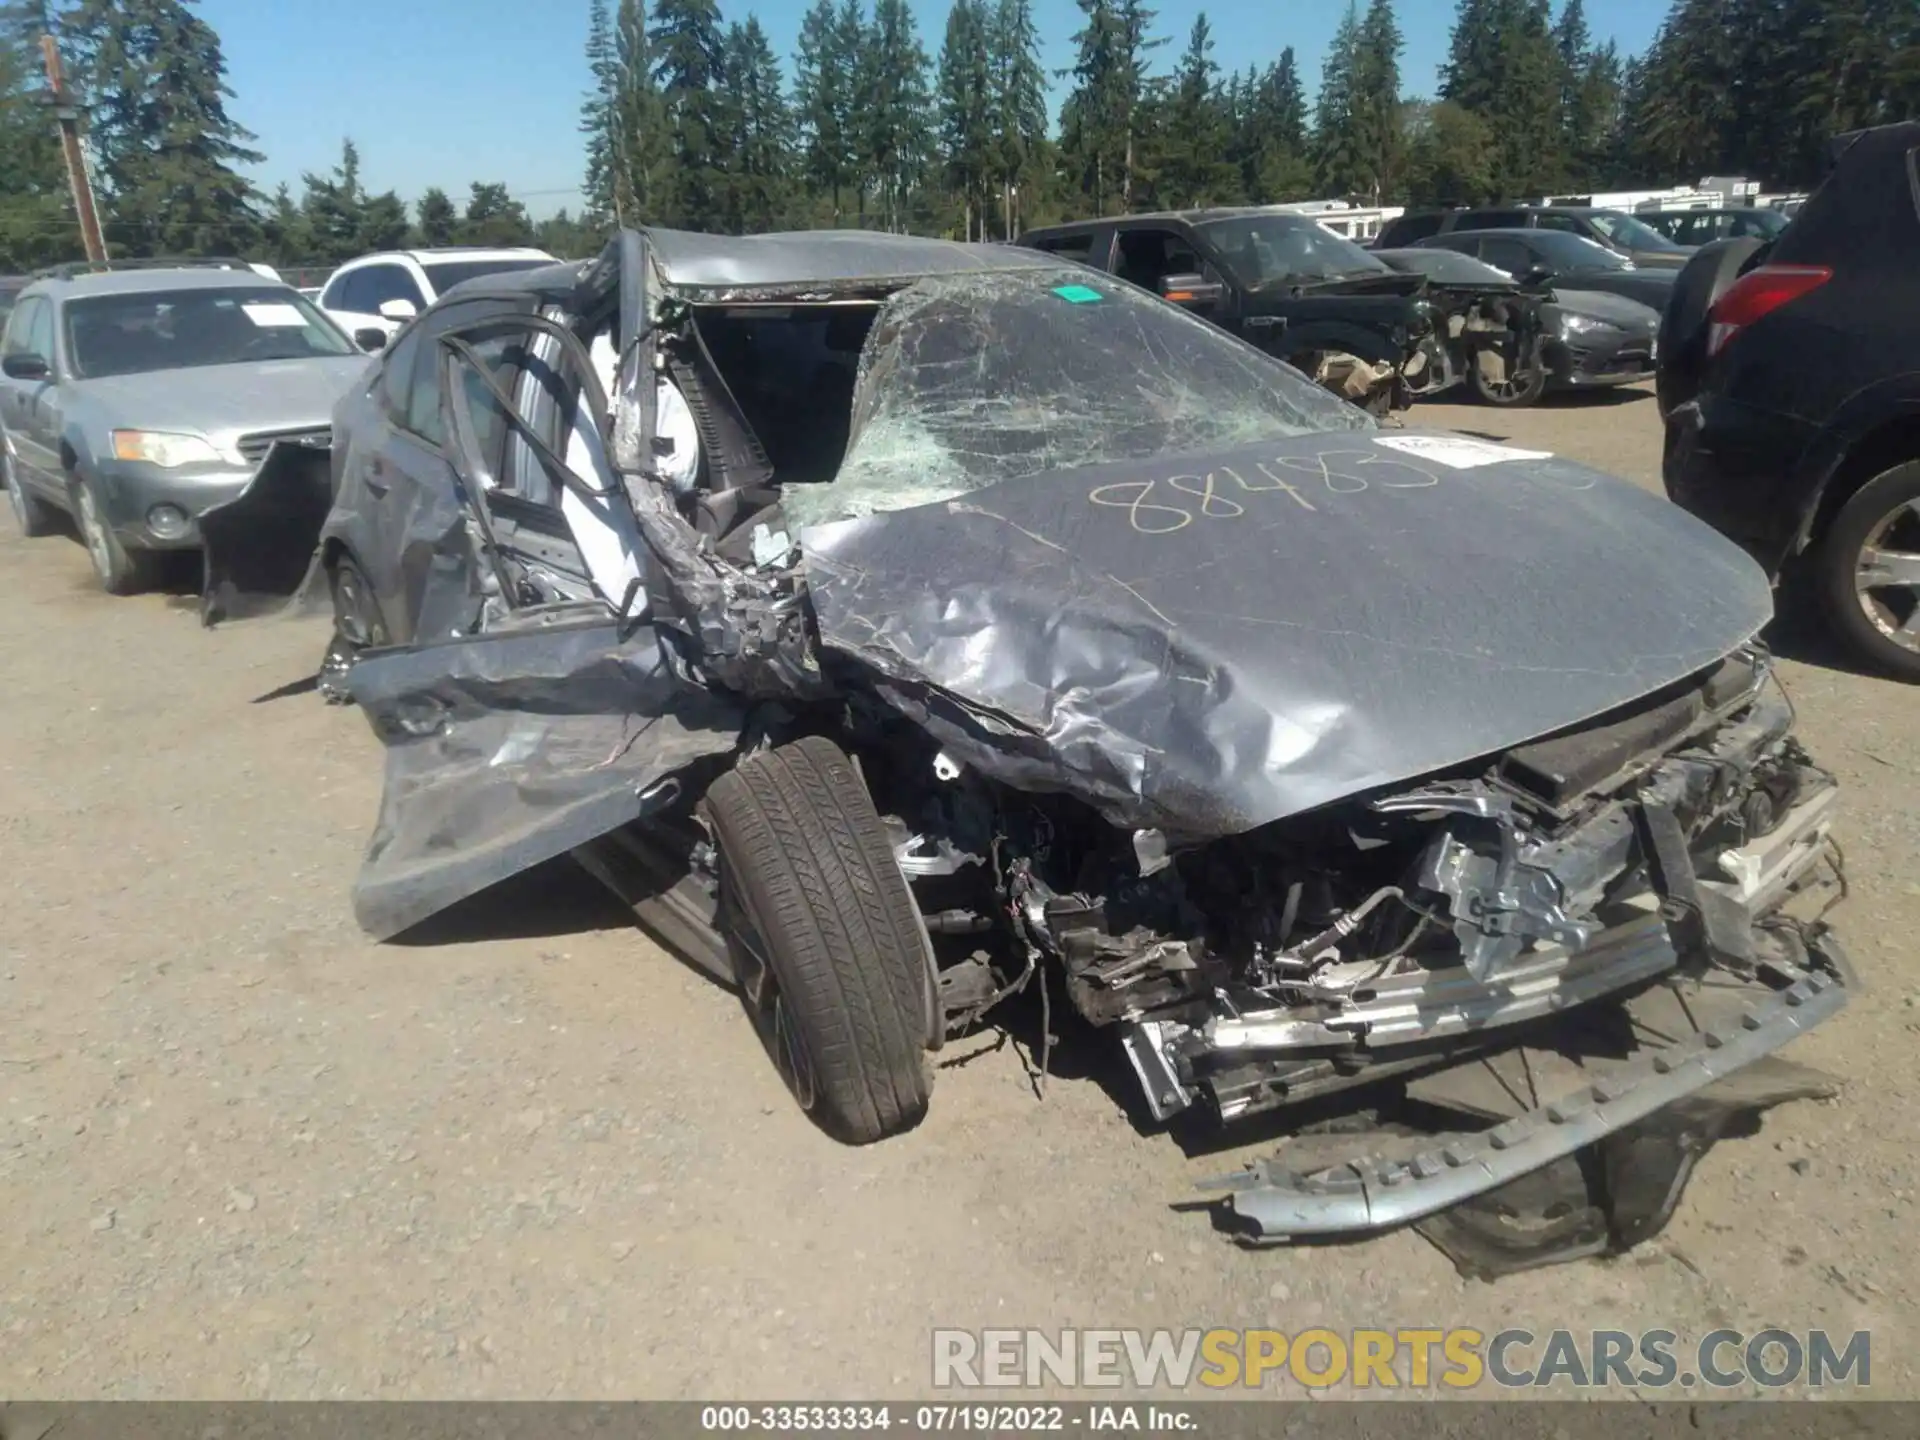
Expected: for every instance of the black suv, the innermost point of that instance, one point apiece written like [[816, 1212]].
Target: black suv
[[1615, 229], [1790, 383]]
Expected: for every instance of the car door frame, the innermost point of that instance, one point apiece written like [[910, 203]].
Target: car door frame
[[1100, 244], [1228, 313], [553, 725]]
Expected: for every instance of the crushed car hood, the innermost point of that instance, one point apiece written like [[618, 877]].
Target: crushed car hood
[[1205, 645]]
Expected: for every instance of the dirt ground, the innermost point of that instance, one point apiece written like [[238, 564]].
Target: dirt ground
[[246, 1153]]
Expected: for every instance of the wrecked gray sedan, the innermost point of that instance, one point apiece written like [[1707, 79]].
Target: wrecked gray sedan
[[905, 627]]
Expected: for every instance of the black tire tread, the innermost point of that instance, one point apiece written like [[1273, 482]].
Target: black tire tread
[[841, 928], [40, 519]]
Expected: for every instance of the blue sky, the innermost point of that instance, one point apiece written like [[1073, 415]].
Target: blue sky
[[448, 92]]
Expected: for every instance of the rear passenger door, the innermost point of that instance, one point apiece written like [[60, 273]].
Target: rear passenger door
[[26, 407]]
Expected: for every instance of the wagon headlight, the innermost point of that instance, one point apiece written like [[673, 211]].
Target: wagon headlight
[[163, 448]]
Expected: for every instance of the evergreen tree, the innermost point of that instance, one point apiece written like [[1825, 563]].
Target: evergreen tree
[[494, 218], [37, 224], [1275, 154], [333, 209], [1135, 23], [760, 131], [689, 69], [383, 223], [1105, 117], [1196, 168], [1340, 142], [967, 139], [1092, 124], [1376, 101], [284, 232], [640, 164], [898, 130], [1504, 66], [1449, 155], [600, 110], [439, 222], [165, 147], [1019, 104], [826, 92]]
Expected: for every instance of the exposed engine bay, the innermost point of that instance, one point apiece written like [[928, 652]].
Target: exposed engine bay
[[1497, 335], [1389, 933]]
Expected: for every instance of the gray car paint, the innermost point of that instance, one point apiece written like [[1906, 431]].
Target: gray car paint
[[1347, 627], [69, 415]]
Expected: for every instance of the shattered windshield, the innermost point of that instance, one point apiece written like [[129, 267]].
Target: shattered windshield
[[1286, 249], [970, 380]]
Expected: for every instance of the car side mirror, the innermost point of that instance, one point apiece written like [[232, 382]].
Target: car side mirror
[[26, 366], [1194, 292], [1537, 277], [370, 339], [398, 310]]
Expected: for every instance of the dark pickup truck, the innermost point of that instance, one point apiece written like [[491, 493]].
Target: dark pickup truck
[[1367, 332]]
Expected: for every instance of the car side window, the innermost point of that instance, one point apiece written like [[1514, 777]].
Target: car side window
[[20, 326], [371, 286], [334, 297], [1148, 256], [423, 395], [1508, 255], [1409, 228], [1493, 220], [1068, 247], [40, 331], [392, 282], [1562, 222]]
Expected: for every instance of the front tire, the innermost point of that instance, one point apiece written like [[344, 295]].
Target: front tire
[[826, 939], [120, 571], [32, 514], [357, 625], [1510, 393], [1868, 572]]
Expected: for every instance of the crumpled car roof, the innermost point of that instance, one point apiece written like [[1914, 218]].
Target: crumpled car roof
[[825, 257]]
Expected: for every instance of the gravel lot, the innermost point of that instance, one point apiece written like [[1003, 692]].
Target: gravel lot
[[246, 1153]]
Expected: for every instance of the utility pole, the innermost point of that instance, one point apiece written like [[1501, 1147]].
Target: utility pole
[[67, 112]]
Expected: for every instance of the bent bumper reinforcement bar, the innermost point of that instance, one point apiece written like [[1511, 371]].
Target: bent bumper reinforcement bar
[[1366, 1195]]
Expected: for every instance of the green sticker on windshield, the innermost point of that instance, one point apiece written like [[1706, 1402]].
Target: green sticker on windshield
[[1078, 294]]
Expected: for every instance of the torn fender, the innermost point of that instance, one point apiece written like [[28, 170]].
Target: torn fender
[[259, 547], [1211, 643], [511, 748]]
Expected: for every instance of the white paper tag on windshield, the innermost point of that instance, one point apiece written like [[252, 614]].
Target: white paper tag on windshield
[[269, 316], [1456, 452]]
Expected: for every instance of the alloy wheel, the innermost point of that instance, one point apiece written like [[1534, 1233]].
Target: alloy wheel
[[1886, 575]]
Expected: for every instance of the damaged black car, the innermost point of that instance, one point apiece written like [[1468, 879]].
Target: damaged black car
[[1376, 335], [905, 627]]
